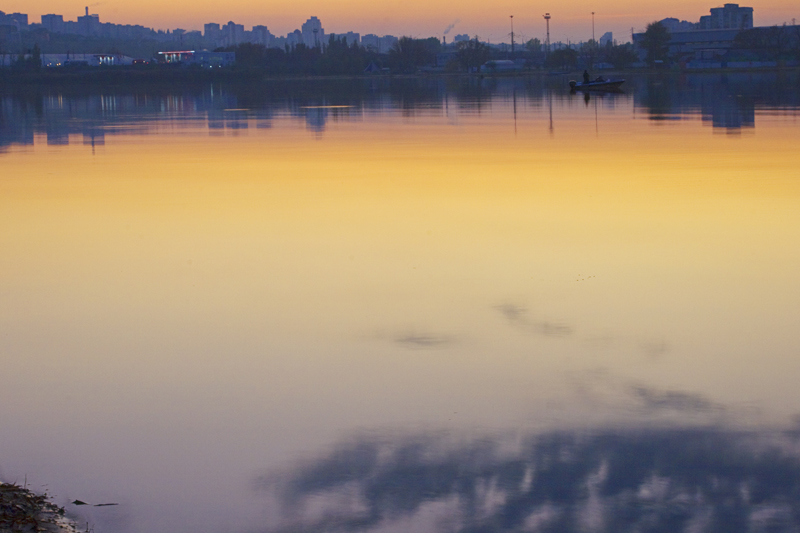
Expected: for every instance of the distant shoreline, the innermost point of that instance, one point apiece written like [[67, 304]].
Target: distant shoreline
[[127, 76]]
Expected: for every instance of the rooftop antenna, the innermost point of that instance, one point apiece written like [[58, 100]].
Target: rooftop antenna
[[547, 20]]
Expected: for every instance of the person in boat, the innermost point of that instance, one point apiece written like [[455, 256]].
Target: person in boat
[[600, 78], [586, 76]]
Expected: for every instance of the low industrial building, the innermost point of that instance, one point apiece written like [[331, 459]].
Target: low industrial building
[[92, 60], [502, 65], [203, 58], [67, 60]]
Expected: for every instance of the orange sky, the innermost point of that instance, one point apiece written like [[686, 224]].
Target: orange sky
[[421, 18]]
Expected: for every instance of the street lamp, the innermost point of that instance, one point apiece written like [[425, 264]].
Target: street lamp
[[547, 45], [512, 33], [593, 27]]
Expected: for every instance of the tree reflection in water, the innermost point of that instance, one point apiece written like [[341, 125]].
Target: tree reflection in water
[[669, 480]]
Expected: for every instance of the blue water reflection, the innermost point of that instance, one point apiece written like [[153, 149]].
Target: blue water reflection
[[646, 479], [728, 102]]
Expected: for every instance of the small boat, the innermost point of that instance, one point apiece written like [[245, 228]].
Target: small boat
[[596, 85]]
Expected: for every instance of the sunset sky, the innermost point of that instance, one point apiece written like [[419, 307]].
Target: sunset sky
[[419, 18]]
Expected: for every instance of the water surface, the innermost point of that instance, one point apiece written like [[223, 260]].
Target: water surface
[[429, 305]]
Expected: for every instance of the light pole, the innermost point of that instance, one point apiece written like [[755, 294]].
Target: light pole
[[592, 25], [512, 33], [547, 43]]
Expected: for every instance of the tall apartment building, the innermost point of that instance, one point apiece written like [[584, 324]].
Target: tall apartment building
[[313, 33], [233, 34], [89, 24], [211, 31], [727, 17], [350, 37], [381, 45], [261, 35], [20, 20], [53, 23]]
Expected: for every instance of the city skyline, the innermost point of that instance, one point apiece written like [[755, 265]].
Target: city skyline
[[569, 22]]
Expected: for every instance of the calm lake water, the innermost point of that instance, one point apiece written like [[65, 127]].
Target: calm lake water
[[408, 305]]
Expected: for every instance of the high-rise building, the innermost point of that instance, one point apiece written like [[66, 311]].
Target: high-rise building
[[233, 33], [211, 31], [728, 17], [350, 37], [20, 20], [313, 33], [294, 38], [381, 45], [89, 24], [262, 35], [608, 37], [53, 23]]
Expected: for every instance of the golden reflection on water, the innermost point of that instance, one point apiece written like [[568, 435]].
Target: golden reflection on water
[[196, 296], [673, 239]]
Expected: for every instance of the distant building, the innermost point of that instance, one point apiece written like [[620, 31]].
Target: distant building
[[204, 58], [18, 20], [608, 37], [294, 38], [313, 33], [673, 24], [727, 17], [92, 60], [53, 23], [261, 35], [461, 37], [349, 37], [371, 41], [382, 45], [714, 33], [211, 32], [232, 34], [501, 65], [89, 25], [683, 42]]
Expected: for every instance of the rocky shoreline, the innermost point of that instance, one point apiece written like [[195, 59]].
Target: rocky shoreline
[[21, 510]]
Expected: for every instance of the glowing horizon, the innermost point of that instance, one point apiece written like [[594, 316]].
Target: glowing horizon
[[416, 18]]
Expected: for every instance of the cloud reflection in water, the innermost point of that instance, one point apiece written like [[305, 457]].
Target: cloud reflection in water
[[518, 316], [646, 479]]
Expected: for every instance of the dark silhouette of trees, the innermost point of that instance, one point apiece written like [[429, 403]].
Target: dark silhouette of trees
[[655, 41], [341, 58], [621, 56], [32, 62], [250, 55], [408, 54], [337, 57], [562, 58], [534, 45], [472, 54]]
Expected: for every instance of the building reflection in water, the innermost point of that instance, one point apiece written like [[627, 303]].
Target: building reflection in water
[[728, 102], [647, 479]]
